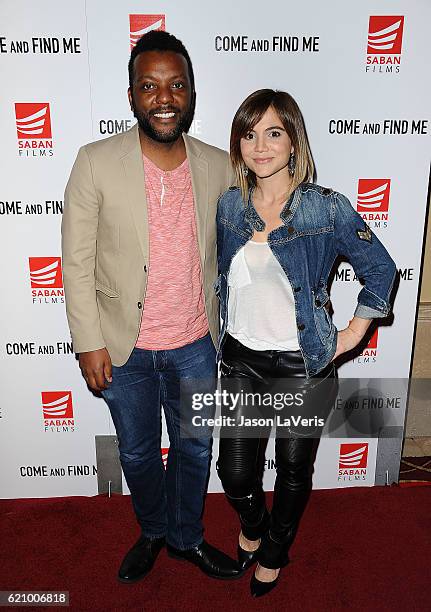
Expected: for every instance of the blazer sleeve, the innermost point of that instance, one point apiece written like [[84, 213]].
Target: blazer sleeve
[[369, 258], [79, 237], [230, 174]]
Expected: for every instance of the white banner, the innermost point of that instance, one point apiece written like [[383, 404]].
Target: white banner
[[357, 71]]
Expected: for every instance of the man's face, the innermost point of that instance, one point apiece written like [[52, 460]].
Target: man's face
[[161, 95]]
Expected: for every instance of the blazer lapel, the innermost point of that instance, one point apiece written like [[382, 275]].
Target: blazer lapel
[[131, 157], [199, 174]]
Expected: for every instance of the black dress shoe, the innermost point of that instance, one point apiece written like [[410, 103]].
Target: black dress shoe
[[246, 558], [211, 561], [140, 559], [259, 588]]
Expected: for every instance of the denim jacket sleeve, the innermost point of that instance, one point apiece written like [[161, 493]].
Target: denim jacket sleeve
[[370, 260]]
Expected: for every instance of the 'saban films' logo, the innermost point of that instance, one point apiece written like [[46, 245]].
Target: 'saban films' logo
[[57, 409], [369, 354], [141, 24], [33, 128], [373, 341], [385, 38], [165, 452], [353, 461], [46, 280], [373, 201]]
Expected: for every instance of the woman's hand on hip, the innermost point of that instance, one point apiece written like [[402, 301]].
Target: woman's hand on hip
[[351, 336]]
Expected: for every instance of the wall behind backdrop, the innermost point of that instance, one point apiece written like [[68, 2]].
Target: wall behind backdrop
[[425, 294], [357, 71]]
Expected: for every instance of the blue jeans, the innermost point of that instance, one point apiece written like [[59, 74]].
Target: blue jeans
[[167, 503]]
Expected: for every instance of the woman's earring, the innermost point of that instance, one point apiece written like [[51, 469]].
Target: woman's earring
[[291, 163], [245, 170]]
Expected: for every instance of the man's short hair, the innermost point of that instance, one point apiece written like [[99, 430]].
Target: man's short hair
[[157, 40]]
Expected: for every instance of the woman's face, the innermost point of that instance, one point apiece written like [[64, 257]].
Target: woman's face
[[267, 147]]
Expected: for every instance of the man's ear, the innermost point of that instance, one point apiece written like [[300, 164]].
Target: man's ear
[[129, 95]]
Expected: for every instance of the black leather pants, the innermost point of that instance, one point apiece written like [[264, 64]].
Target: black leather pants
[[240, 463]]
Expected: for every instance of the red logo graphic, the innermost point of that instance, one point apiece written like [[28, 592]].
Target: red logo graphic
[[385, 35], [372, 344], [373, 195], [57, 404], [33, 120], [165, 452], [353, 455], [141, 24], [45, 272]]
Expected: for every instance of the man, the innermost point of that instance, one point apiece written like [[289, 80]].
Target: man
[[139, 265]]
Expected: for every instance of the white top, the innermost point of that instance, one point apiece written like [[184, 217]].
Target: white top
[[261, 306]]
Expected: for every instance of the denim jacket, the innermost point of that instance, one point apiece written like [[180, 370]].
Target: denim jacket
[[319, 225]]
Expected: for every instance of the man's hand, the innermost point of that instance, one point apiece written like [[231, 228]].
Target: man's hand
[[96, 368], [351, 336]]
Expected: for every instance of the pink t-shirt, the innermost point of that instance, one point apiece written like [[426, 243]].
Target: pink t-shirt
[[174, 307]]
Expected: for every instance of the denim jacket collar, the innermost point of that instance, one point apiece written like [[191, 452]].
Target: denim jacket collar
[[289, 209]]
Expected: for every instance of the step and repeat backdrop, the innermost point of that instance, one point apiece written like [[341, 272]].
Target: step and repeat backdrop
[[358, 72]]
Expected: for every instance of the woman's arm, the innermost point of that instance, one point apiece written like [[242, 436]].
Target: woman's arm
[[372, 265], [350, 337], [370, 260]]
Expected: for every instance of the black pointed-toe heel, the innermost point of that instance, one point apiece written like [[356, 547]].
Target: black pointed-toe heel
[[246, 558], [258, 588]]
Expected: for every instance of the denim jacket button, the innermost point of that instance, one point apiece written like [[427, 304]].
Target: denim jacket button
[[301, 326], [318, 303], [291, 229]]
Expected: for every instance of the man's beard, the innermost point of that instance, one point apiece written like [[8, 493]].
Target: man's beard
[[183, 124]]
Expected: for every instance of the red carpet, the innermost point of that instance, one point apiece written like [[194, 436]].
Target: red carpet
[[356, 549]]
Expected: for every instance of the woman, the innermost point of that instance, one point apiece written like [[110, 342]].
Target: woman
[[278, 236]]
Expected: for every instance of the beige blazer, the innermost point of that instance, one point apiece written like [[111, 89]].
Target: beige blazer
[[105, 239]]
